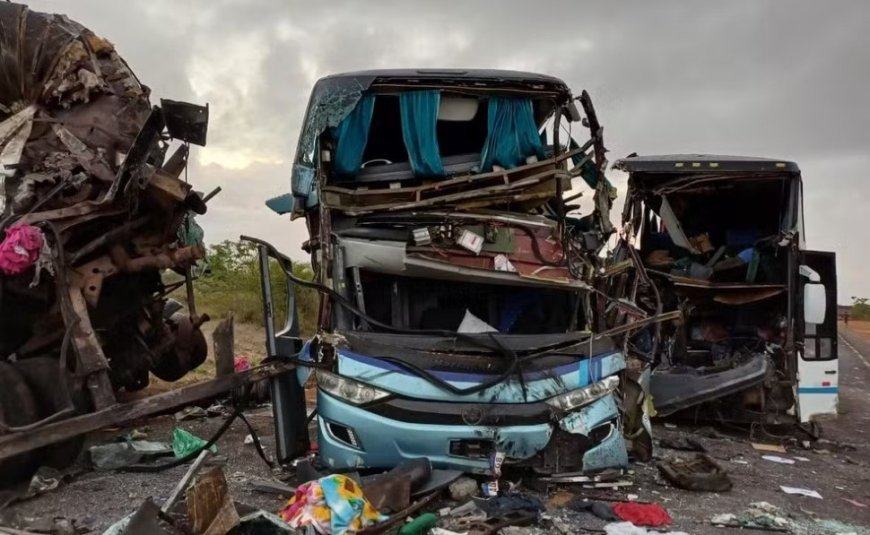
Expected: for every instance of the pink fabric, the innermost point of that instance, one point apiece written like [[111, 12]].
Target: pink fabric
[[241, 364], [20, 248]]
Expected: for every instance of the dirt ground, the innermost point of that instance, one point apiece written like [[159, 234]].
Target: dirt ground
[[839, 472]]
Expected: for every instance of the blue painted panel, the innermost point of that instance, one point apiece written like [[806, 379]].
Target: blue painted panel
[[582, 421], [538, 385], [611, 453], [384, 443]]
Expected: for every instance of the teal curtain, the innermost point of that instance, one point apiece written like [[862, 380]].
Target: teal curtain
[[419, 110], [512, 133], [352, 134]]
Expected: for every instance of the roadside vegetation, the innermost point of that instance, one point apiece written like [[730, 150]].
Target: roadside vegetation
[[231, 285], [860, 308]]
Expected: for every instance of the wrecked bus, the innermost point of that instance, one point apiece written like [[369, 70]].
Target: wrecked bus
[[454, 320], [721, 239]]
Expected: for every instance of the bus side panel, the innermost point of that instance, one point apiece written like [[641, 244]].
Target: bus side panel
[[818, 369]]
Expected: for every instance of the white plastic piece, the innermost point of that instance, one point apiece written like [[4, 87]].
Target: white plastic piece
[[503, 264], [802, 492], [422, 236], [471, 241], [471, 324]]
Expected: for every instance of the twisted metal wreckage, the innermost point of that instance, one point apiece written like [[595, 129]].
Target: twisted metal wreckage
[[93, 212], [465, 314]]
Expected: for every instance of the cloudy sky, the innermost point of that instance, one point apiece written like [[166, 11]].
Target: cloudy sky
[[765, 78]]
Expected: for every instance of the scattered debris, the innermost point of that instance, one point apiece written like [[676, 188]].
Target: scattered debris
[[146, 519], [464, 488], [759, 515], [699, 474], [775, 448], [643, 514], [210, 508], [419, 525], [271, 486], [184, 443], [492, 525], [192, 412], [115, 455], [185, 480], [627, 528], [602, 510], [682, 443], [803, 492], [778, 459], [262, 523], [856, 503], [333, 504], [502, 505]]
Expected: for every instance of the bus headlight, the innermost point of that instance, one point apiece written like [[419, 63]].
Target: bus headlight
[[347, 389], [584, 396]]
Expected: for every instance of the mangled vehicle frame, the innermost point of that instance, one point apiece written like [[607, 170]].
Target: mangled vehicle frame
[[92, 212], [721, 239], [456, 316]]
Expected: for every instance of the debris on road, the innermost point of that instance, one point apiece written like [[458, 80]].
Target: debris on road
[[602, 510], [682, 443], [115, 455], [194, 468], [463, 489], [699, 474], [643, 514], [775, 448], [334, 504], [184, 443], [627, 528], [190, 413], [210, 507], [856, 503], [759, 515], [778, 459], [802, 492]]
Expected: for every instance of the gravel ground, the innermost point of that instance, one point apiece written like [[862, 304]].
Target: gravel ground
[[97, 499]]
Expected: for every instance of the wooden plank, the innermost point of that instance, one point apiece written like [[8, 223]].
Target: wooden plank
[[15, 443], [224, 347]]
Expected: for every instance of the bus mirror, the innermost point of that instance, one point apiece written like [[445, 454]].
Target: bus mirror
[[814, 303]]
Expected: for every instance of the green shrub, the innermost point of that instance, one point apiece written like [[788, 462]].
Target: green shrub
[[860, 309], [232, 285]]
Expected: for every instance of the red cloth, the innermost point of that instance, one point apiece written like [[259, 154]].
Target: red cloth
[[19, 249], [241, 364], [643, 514]]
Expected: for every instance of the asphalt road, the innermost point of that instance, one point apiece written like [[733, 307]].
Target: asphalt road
[[97, 499]]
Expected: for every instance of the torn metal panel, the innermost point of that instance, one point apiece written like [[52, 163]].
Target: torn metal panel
[[672, 391], [672, 224], [81, 152], [532, 182]]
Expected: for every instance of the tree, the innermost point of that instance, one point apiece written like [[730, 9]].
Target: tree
[[860, 308]]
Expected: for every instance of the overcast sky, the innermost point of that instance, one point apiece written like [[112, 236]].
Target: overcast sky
[[764, 78]]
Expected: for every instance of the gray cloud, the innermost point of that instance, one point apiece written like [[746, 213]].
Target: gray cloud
[[748, 77]]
